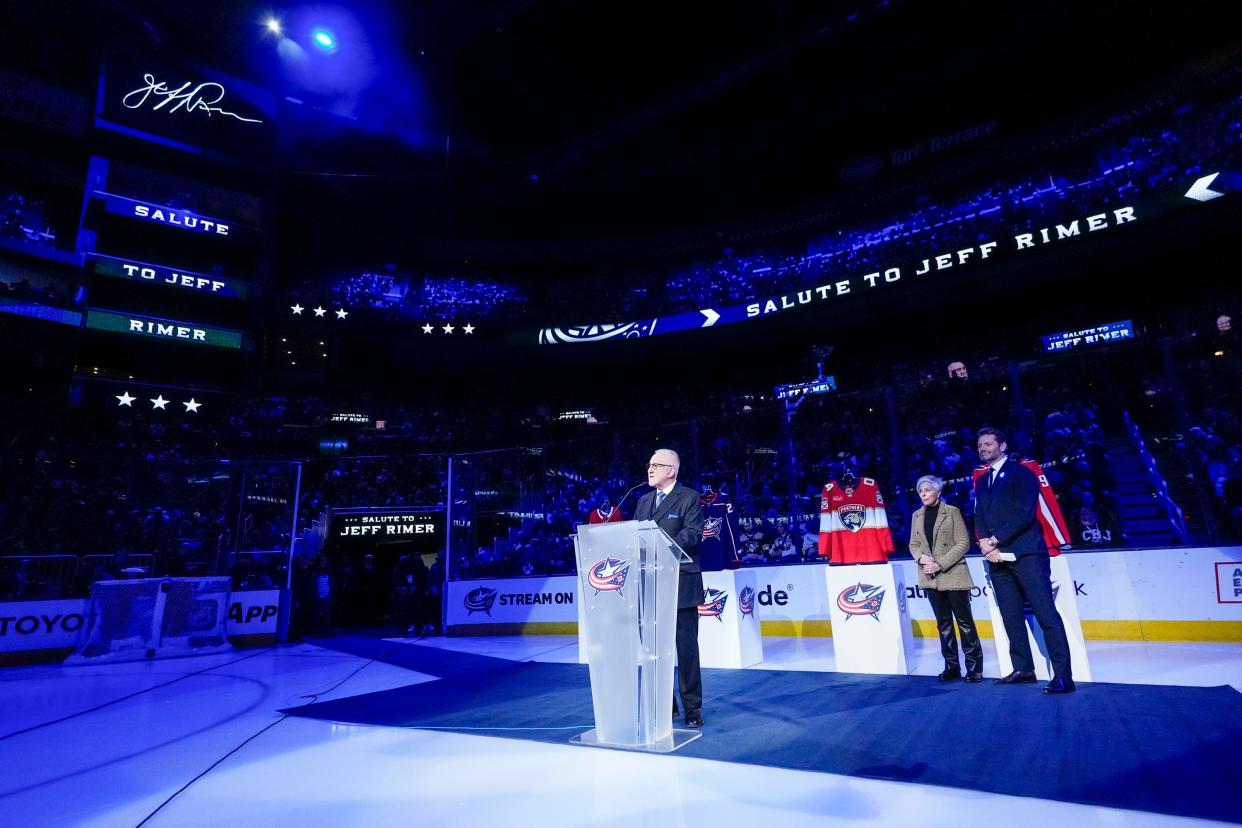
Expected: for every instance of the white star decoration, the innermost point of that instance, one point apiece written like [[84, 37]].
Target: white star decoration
[[427, 328], [320, 312], [448, 329], [297, 310], [341, 313], [468, 328], [159, 402]]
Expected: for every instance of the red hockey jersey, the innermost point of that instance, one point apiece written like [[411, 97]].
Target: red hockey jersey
[[1051, 521], [853, 525], [609, 515]]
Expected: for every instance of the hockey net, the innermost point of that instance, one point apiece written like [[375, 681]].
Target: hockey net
[[154, 618]]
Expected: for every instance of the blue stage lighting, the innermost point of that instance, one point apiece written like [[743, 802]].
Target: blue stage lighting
[[273, 26], [323, 39]]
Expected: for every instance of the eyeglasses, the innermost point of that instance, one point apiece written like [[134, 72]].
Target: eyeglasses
[[658, 466]]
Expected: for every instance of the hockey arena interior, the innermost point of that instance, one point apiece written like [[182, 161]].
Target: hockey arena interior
[[525, 412]]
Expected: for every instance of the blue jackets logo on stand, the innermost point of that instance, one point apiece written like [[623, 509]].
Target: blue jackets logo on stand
[[480, 600], [746, 601], [608, 575], [861, 599], [711, 528], [713, 605]]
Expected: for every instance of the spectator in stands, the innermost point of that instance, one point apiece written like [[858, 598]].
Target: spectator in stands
[[1089, 530], [810, 540], [783, 550]]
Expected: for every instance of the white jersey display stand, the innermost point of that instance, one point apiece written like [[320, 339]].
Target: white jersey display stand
[[871, 630], [729, 633], [1067, 606]]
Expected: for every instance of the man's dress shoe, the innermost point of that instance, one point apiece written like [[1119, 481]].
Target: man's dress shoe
[[1016, 677], [1059, 686]]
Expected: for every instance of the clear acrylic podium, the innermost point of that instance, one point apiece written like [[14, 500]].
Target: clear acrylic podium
[[627, 585]]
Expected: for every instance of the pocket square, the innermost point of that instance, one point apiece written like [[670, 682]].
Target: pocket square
[[674, 517]]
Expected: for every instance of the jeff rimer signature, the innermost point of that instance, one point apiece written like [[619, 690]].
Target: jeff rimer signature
[[197, 98]]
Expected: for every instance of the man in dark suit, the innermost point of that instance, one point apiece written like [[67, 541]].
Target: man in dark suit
[[1010, 537], [677, 511]]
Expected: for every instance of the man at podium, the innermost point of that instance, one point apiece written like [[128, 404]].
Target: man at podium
[[675, 508]]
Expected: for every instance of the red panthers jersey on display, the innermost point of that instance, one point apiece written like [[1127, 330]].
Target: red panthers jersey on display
[[853, 525], [1051, 521], [609, 515]]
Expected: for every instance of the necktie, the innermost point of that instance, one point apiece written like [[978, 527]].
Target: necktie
[[992, 479], [659, 499]]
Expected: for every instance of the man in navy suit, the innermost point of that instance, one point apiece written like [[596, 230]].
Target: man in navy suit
[[1010, 537], [677, 511]]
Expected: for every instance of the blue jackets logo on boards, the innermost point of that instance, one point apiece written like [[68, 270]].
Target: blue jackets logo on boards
[[480, 600]]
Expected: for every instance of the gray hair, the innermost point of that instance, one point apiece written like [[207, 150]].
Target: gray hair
[[673, 458], [931, 480]]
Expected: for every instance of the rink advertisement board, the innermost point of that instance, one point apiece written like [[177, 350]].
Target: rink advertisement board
[[543, 601], [1178, 594], [41, 625], [34, 626], [1173, 594], [253, 613]]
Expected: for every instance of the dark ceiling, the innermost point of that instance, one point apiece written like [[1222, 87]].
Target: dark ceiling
[[542, 124]]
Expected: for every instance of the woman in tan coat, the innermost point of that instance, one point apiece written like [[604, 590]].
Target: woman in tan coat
[[938, 541]]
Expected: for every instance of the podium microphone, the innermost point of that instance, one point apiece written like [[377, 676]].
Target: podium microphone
[[627, 494]]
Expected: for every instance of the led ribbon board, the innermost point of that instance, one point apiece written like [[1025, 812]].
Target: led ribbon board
[[167, 216], [363, 529], [34, 310], [1108, 333], [822, 385], [185, 279], [166, 329], [836, 289], [351, 418]]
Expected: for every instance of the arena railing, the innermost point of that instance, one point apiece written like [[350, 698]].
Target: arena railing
[[1176, 517], [36, 576]]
